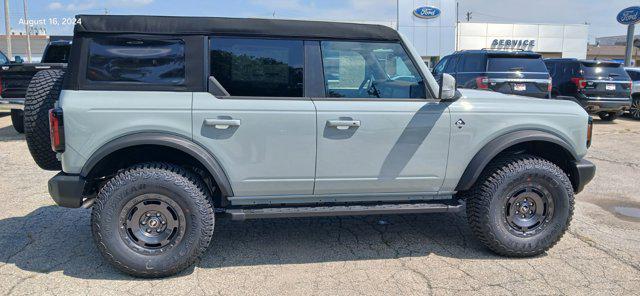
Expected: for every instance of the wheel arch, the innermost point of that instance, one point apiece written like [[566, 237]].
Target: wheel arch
[[535, 142], [164, 141]]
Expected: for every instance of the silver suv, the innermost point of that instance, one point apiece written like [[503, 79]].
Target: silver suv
[[162, 122]]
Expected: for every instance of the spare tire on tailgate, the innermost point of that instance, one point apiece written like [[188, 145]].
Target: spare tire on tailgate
[[41, 96]]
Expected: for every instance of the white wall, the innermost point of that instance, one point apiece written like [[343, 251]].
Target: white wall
[[431, 37], [437, 37], [569, 40]]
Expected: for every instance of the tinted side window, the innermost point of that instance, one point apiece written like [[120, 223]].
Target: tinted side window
[[370, 70], [57, 54], [439, 68], [258, 67], [635, 75], [473, 63], [451, 65], [117, 59]]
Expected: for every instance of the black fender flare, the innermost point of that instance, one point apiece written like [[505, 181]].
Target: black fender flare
[[499, 144], [175, 141]]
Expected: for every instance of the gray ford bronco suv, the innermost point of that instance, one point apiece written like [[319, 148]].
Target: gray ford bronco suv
[[161, 123]]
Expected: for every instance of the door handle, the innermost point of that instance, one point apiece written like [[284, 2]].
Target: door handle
[[343, 124], [222, 123]]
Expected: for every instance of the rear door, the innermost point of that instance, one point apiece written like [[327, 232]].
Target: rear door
[[524, 75], [379, 128], [256, 119], [606, 80]]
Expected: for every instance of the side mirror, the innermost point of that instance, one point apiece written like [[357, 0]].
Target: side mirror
[[447, 87], [18, 59]]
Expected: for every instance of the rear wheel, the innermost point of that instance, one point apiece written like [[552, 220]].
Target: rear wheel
[[608, 116], [521, 205], [635, 108], [153, 220], [17, 119]]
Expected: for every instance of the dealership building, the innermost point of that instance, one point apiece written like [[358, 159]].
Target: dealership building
[[437, 34]]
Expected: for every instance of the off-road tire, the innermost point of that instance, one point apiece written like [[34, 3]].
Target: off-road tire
[[41, 96], [184, 188], [608, 116], [635, 108], [17, 119], [485, 204]]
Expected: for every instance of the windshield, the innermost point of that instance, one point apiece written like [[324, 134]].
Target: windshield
[[515, 64], [3, 59], [603, 70], [57, 54]]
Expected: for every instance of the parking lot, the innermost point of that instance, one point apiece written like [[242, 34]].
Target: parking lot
[[48, 250]]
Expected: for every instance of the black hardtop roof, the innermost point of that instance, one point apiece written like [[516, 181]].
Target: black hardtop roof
[[179, 25], [491, 52]]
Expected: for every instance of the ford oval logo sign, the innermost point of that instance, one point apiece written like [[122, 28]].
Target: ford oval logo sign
[[427, 12], [629, 15]]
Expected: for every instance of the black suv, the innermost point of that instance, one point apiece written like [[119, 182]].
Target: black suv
[[510, 72], [601, 87]]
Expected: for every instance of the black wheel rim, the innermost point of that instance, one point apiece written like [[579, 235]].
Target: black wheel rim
[[528, 209], [152, 223], [635, 109]]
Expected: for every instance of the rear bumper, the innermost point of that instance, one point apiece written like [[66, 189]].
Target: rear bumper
[[584, 173], [67, 190], [604, 105]]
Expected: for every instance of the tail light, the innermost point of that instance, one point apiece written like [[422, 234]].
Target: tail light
[[550, 85], [589, 131], [579, 82], [482, 82], [56, 129]]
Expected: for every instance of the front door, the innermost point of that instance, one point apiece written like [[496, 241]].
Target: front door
[[379, 129]]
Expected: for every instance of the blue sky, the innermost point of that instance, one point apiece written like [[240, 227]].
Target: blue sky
[[598, 13]]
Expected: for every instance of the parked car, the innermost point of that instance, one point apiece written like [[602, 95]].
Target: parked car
[[601, 87], [15, 78], [164, 123], [510, 72], [634, 74]]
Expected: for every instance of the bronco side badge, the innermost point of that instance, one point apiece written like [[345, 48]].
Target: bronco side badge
[[460, 123]]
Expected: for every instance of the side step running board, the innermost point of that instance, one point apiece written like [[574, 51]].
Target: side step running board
[[328, 211]]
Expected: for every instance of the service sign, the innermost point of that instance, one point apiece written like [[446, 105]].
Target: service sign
[[427, 12], [629, 15]]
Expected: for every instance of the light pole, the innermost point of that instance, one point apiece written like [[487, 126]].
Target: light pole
[[7, 28], [26, 26]]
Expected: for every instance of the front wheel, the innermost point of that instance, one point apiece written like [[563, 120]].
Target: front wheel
[[635, 108], [521, 205], [153, 220]]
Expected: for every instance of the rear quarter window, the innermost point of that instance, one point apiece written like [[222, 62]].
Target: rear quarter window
[[57, 54], [473, 63], [512, 64], [635, 75], [118, 59]]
